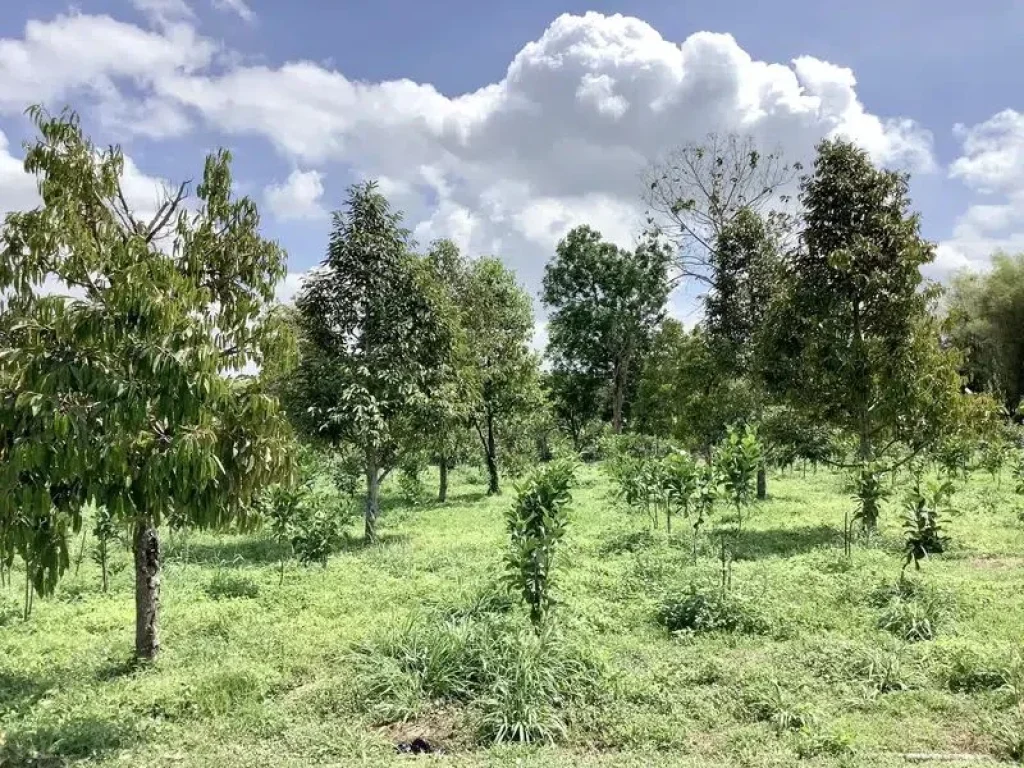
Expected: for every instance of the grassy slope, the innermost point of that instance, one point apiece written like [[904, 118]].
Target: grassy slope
[[266, 680]]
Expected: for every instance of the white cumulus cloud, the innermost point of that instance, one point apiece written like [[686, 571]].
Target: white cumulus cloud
[[991, 165], [298, 197]]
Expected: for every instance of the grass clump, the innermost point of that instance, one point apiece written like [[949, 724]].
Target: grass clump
[[515, 684], [702, 611], [911, 610], [230, 585]]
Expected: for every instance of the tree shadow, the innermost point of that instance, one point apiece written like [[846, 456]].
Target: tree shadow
[[18, 691], [231, 551], [752, 544], [465, 497], [75, 738], [358, 543]]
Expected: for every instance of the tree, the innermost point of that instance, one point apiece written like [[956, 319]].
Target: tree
[[575, 400], [116, 394], [745, 276], [373, 338], [681, 394], [696, 190], [850, 340], [498, 321], [985, 316], [606, 304], [447, 413]]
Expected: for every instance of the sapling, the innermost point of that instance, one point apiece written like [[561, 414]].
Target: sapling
[[536, 522], [922, 524], [738, 460], [704, 497], [104, 530], [679, 478], [869, 494]]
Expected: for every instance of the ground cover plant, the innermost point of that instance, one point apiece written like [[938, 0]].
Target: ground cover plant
[[816, 657]]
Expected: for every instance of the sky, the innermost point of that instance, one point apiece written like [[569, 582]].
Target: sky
[[503, 125]]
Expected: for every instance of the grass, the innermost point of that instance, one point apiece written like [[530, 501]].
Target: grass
[[815, 659]]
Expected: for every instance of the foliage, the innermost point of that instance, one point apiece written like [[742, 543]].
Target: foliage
[[984, 313], [736, 462], [870, 493], [605, 303], [681, 395], [850, 339], [376, 335], [698, 610], [497, 316], [117, 392], [926, 506], [536, 522], [105, 531]]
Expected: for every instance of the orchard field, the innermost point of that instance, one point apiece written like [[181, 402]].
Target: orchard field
[[414, 636], [375, 522]]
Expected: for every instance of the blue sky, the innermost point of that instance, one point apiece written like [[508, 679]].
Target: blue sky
[[559, 138]]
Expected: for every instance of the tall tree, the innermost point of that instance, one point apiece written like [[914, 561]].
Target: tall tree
[[851, 338], [697, 189], [985, 315], [373, 339], [606, 304], [498, 320], [746, 274], [446, 415], [117, 394]]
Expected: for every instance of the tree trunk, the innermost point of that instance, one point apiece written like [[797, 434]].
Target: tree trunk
[[372, 496], [491, 455], [147, 593], [618, 396], [762, 483], [442, 491]]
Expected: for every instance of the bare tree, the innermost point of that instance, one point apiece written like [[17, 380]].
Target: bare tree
[[695, 190]]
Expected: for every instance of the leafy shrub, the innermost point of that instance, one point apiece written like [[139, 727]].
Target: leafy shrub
[[700, 611], [737, 461], [317, 531], [230, 585], [536, 522], [411, 487], [922, 524]]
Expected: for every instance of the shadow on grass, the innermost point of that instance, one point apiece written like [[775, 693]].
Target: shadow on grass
[[231, 550], [18, 691], [245, 551], [752, 544], [56, 743]]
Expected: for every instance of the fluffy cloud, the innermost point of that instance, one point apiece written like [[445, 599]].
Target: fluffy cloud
[[298, 197], [17, 188], [560, 139], [93, 56], [506, 169], [992, 165]]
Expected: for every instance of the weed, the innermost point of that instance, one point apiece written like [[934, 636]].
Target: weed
[[230, 585], [698, 611]]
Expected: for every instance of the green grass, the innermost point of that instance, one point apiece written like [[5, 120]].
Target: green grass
[[827, 663]]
